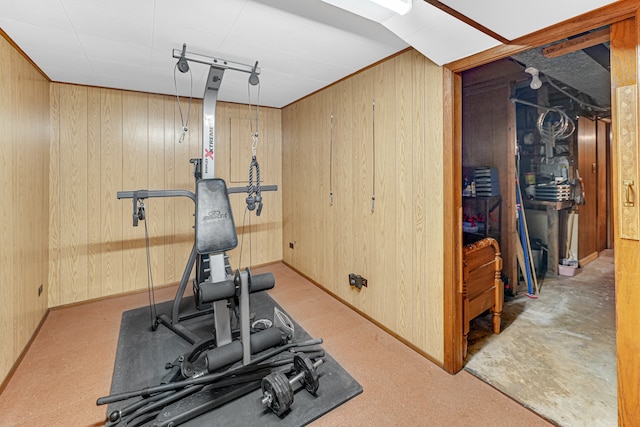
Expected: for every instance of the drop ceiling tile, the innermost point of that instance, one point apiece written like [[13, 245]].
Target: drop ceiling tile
[[106, 51], [110, 23], [142, 9], [216, 16], [47, 46], [290, 63], [38, 38], [301, 45], [169, 38], [462, 40], [42, 13], [264, 26]]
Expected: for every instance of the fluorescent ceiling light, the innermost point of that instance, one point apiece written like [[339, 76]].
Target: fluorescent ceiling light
[[375, 10]]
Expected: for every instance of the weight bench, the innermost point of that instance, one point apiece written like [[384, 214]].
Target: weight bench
[[215, 285]]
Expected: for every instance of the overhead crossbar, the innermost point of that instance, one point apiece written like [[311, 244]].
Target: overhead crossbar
[[216, 62]]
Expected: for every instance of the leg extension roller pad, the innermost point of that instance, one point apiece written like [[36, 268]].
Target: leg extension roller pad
[[210, 292], [231, 353]]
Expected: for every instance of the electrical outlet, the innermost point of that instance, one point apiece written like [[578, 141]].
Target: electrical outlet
[[357, 281], [40, 290], [352, 279], [292, 245]]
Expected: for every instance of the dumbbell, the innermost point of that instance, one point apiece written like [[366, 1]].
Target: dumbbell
[[277, 389]]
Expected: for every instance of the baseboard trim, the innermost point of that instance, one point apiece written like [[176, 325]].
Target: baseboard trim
[[586, 260], [369, 318], [17, 362]]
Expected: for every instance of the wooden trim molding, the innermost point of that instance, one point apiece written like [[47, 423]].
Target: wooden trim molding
[[624, 37], [451, 11], [16, 47], [452, 158], [603, 16], [15, 365], [606, 15]]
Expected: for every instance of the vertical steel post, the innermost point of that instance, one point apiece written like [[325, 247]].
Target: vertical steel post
[[222, 319]]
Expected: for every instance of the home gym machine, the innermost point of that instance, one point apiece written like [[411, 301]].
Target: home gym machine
[[213, 362], [214, 227]]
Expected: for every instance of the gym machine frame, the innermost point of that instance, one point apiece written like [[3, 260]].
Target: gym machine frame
[[204, 168], [186, 376]]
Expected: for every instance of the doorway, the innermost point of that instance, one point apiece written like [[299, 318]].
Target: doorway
[[564, 179], [622, 17]]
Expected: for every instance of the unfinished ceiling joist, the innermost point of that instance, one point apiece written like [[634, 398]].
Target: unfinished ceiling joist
[[577, 43]]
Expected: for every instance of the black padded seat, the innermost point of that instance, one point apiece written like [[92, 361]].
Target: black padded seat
[[215, 228]]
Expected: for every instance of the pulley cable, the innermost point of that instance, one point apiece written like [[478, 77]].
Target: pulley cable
[[150, 287], [183, 122]]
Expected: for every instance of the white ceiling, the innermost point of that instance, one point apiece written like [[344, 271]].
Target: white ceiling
[[301, 45]]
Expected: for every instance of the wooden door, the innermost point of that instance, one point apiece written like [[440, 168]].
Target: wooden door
[[603, 183], [587, 168], [624, 74]]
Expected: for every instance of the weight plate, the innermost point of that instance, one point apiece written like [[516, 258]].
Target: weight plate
[[276, 387], [302, 364]]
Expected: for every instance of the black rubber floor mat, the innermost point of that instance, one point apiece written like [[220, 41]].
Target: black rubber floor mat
[[142, 355]]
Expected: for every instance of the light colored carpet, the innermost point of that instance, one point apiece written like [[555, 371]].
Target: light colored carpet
[[556, 354]]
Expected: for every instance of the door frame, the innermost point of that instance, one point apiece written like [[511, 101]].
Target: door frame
[[452, 142]]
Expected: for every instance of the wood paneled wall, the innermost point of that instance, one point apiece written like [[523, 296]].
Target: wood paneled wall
[[24, 211], [105, 141], [398, 246]]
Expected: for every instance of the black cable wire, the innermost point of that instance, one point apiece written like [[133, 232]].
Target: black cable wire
[[150, 288], [185, 125]]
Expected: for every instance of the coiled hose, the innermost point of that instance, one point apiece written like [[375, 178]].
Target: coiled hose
[[562, 128]]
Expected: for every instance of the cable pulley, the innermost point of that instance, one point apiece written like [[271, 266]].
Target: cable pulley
[[183, 66]]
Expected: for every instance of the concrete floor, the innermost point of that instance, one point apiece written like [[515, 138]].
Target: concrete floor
[[556, 354]]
